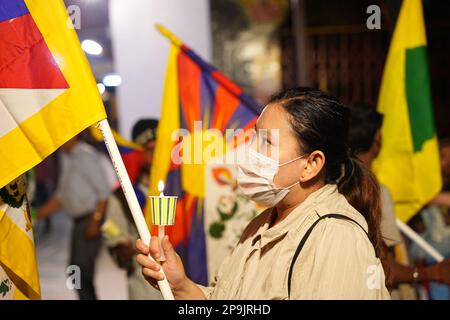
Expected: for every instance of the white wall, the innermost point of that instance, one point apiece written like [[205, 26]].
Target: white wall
[[140, 52]]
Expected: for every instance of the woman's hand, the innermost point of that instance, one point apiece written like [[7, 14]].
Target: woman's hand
[[181, 285], [172, 266]]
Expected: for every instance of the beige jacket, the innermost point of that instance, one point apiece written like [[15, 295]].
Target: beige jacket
[[337, 262]]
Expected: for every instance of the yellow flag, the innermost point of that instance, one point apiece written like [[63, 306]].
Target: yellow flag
[[408, 163], [47, 91], [19, 278]]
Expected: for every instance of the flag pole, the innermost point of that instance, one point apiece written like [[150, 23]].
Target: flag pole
[[411, 234], [220, 78], [132, 200], [169, 35]]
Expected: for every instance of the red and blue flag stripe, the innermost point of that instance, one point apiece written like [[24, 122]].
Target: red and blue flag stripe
[[205, 95]]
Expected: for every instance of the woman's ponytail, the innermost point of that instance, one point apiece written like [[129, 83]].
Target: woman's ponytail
[[362, 190]]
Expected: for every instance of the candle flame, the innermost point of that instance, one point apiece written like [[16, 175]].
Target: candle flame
[[161, 186]]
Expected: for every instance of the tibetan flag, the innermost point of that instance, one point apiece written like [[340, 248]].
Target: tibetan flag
[[408, 163], [19, 278], [47, 91], [198, 103]]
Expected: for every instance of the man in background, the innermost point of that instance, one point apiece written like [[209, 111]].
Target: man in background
[[119, 228], [82, 193]]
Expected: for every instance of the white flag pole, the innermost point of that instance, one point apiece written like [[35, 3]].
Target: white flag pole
[[410, 233], [132, 200]]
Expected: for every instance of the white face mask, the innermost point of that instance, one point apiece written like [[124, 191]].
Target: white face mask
[[255, 179]]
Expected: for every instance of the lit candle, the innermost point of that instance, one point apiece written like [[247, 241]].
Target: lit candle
[[161, 231], [163, 212], [161, 188]]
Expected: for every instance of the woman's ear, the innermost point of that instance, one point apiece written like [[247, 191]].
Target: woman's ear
[[313, 166]]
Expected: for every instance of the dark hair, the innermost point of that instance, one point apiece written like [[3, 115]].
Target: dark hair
[[144, 130], [444, 142], [321, 122], [365, 121]]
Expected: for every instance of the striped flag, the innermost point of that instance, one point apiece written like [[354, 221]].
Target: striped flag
[[196, 98], [47, 91], [19, 278], [47, 96], [408, 163]]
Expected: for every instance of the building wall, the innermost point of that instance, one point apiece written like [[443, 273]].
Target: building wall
[[140, 52]]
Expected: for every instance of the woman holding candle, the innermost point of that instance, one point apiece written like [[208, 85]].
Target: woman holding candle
[[320, 237]]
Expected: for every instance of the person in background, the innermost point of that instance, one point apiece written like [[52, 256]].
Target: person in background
[[444, 152], [82, 193], [436, 226], [443, 199], [46, 175], [437, 215], [119, 229], [365, 142]]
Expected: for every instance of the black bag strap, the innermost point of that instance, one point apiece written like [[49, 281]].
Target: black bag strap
[[306, 236]]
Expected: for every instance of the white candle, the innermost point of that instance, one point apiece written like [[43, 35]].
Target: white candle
[[161, 188], [161, 233], [161, 230]]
